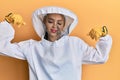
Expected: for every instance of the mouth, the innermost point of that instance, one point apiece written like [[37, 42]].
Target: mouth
[[54, 30]]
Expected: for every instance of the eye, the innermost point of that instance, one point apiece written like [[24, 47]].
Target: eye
[[50, 21], [59, 23]]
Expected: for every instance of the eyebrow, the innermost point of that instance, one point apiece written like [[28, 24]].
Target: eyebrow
[[53, 19], [50, 18]]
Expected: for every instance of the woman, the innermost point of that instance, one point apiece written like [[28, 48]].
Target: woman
[[57, 56]]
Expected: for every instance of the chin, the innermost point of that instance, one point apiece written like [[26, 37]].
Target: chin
[[53, 34]]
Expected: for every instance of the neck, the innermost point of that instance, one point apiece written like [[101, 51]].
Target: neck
[[53, 38]]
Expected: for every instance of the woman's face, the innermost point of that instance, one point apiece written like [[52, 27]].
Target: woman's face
[[54, 24]]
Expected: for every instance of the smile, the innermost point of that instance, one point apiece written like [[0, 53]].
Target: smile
[[53, 30]]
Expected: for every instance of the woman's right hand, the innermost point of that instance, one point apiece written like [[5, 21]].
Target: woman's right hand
[[14, 19]]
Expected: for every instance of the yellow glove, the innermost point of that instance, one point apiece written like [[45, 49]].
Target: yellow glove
[[15, 19], [98, 32]]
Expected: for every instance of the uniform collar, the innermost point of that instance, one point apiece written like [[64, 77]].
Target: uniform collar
[[56, 43]]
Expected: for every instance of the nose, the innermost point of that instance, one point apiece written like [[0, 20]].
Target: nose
[[55, 25]]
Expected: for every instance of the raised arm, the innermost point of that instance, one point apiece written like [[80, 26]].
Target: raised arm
[[100, 53], [6, 35]]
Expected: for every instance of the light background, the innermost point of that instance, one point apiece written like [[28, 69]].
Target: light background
[[91, 13]]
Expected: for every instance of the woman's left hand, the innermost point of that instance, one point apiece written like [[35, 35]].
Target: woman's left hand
[[98, 32]]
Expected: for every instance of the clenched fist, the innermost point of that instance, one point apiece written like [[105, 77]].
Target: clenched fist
[[98, 32], [14, 19]]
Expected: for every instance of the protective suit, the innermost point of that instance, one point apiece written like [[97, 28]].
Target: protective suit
[[58, 60]]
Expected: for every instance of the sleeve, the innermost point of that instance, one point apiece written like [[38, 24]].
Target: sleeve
[[99, 54], [6, 47]]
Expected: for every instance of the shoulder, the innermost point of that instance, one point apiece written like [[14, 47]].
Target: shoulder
[[77, 40], [74, 38], [27, 43]]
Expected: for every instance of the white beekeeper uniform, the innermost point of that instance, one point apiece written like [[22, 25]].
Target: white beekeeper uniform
[[58, 60]]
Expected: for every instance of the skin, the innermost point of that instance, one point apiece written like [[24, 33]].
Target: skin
[[54, 26]]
